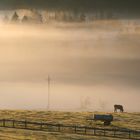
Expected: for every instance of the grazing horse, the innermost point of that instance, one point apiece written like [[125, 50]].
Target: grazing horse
[[120, 107]]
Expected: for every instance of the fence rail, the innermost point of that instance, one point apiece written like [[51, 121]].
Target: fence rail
[[83, 130]]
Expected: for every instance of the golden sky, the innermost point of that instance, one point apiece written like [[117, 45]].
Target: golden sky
[[82, 63]]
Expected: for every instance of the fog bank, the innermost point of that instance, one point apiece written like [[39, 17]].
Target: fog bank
[[91, 68]]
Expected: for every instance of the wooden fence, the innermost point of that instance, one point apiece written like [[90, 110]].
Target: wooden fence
[[83, 130]]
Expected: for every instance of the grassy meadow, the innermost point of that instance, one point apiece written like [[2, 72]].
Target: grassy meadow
[[121, 120]]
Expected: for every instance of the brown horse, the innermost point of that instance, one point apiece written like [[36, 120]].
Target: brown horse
[[118, 107]]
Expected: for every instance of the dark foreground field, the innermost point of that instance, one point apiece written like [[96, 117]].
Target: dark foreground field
[[121, 120]]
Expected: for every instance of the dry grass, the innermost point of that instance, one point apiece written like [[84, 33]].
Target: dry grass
[[123, 120]]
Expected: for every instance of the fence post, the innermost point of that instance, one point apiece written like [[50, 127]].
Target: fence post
[[75, 129], [13, 123], [3, 122], [94, 131], [129, 134], [104, 132], [85, 130], [41, 125], [59, 126], [114, 133], [25, 124]]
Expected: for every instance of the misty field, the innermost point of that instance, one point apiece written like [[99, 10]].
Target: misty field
[[101, 59], [124, 120], [92, 67]]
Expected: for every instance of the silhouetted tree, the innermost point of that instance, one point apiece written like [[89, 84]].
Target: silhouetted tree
[[15, 17], [82, 17], [25, 19]]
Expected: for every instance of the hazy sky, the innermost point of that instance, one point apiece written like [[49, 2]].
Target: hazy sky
[[91, 65]]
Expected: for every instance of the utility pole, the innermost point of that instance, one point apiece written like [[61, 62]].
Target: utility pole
[[49, 80]]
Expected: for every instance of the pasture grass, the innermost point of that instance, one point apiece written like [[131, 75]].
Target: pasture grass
[[121, 120]]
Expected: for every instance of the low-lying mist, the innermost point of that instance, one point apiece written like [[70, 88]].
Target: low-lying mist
[[91, 67]]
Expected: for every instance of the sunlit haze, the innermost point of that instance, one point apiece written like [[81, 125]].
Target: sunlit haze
[[91, 66]]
